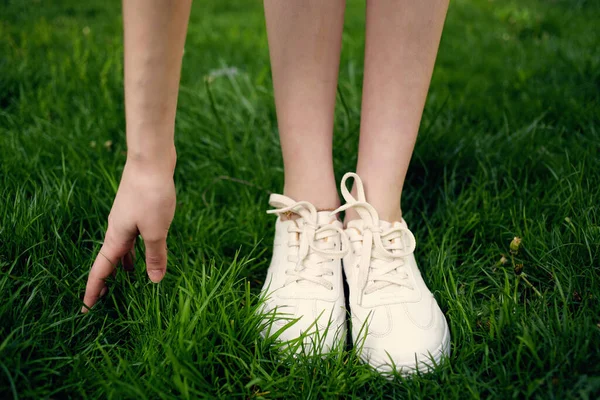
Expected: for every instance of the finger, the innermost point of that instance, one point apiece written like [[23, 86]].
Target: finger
[[103, 267], [156, 259], [128, 260]]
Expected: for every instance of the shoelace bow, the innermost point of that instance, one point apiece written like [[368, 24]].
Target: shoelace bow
[[380, 274], [309, 234]]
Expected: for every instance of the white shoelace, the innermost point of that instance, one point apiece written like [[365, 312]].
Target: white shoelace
[[382, 258], [313, 243]]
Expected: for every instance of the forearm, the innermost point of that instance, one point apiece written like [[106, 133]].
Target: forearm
[[155, 33]]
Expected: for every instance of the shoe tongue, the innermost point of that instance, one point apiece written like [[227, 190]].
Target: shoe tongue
[[325, 217], [359, 224], [356, 224]]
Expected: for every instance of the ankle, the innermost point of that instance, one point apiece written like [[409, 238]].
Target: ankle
[[320, 191], [319, 200], [389, 215]]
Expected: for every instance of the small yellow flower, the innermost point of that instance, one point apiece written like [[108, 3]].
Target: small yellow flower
[[515, 244]]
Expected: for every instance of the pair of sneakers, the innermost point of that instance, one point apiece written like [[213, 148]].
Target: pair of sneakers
[[396, 322]]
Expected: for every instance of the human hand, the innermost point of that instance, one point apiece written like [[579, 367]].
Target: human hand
[[144, 205]]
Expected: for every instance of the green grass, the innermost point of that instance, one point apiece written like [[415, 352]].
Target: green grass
[[509, 146]]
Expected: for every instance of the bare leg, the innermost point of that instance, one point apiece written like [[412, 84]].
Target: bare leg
[[401, 45], [304, 43]]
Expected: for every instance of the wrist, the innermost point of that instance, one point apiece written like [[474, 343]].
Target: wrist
[[153, 160]]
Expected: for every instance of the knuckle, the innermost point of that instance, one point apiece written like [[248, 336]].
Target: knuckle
[[155, 240], [117, 239], [155, 260]]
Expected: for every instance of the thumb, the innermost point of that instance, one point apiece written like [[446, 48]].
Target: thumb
[[156, 259]]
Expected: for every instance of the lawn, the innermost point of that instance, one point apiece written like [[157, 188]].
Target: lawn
[[509, 146]]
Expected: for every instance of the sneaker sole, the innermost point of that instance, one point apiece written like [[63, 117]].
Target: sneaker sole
[[422, 366]]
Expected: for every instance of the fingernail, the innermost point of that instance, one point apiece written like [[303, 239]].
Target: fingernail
[[156, 275], [103, 291], [84, 310]]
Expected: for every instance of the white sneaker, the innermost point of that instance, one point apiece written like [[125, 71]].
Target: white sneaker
[[304, 294], [396, 322]]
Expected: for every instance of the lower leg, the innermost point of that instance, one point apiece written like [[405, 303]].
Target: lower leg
[[304, 45], [402, 39]]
